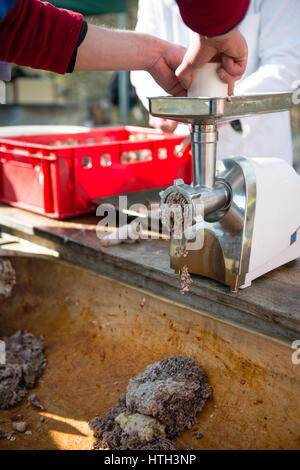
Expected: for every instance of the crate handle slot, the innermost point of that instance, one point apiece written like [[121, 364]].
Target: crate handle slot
[[133, 156], [105, 159], [162, 153], [86, 162]]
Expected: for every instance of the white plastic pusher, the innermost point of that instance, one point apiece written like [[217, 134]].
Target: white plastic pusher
[[206, 83]]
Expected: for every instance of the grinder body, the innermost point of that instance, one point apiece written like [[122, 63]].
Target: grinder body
[[259, 231]]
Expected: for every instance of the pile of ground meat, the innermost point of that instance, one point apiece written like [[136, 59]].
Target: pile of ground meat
[[159, 404], [24, 363]]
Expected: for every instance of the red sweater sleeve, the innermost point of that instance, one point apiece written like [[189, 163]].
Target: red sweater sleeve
[[212, 17], [38, 35]]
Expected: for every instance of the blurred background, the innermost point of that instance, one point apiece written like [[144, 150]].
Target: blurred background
[[88, 98]]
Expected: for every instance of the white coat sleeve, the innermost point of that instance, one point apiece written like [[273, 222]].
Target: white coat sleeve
[[279, 49], [148, 22]]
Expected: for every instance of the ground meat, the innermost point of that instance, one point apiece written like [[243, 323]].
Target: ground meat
[[177, 199], [198, 435], [25, 363], [160, 444], [172, 391], [16, 417], [98, 445], [174, 214], [3, 433], [111, 436], [180, 251], [6, 434], [169, 215], [185, 280]]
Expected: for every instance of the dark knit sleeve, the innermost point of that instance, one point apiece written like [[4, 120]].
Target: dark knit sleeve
[[38, 35], [212, 17]]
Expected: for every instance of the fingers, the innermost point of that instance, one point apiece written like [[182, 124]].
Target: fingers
[[175, 69], [234, 67], [231, 88], [227, 78], [185, 73], [186, 70], [231, 71], [197, 55], [166, 78], [166, 125], [234, 60]]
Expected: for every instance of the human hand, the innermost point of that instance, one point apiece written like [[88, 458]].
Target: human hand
[[165, 125], [232, 49], [168, 58]]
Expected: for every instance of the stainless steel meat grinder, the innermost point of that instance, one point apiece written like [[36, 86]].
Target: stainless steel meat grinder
[[251, 207]]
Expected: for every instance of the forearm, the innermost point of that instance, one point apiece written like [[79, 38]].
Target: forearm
[[105, 49], [38, 35]]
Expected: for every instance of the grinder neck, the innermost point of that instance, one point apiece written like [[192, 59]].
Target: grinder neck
[[214, 196], [204, 137]]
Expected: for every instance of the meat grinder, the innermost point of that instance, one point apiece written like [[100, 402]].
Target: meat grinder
[[250, 219]]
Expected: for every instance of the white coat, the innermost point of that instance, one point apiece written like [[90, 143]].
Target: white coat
[[272, 31]]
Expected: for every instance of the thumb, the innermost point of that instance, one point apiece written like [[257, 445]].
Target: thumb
[[185, 73], [193, 60], [227, 78]]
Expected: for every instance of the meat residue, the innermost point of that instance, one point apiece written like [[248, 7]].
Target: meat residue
[[185, 280], [158, 405], [24, 364]]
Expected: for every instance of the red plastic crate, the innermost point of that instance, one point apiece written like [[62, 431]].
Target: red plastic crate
[[59, 175]]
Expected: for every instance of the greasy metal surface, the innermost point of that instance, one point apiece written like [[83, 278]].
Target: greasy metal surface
[[204, 140], [203, 201], [99, 333], [195, 110], [209, 260]]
